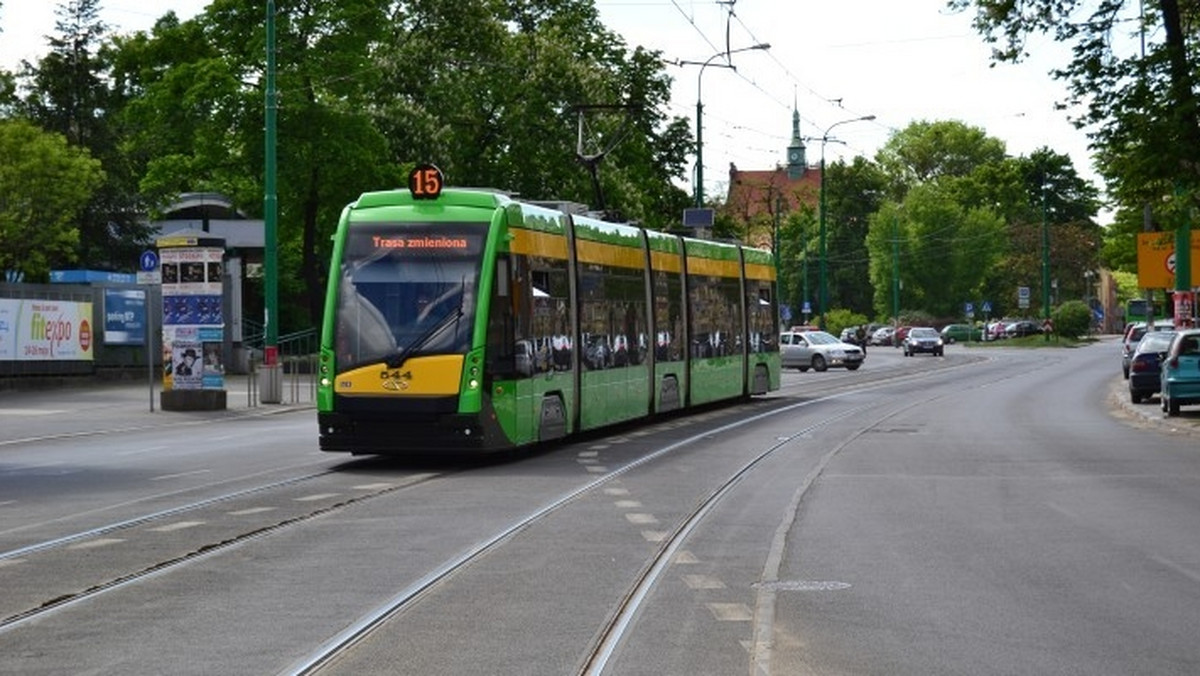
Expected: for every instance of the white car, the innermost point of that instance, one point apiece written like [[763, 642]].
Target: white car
[[817, 350]]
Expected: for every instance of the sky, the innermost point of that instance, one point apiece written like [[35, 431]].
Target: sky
[[835, 60]]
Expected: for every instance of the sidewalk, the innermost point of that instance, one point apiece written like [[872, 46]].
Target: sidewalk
[[93, 406]]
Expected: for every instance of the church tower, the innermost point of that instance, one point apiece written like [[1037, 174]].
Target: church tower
[[797, 162]]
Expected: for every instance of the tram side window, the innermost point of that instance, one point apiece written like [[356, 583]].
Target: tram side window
[[716, 316], [668, 321], [549, 338], [502, 319], [733, 342], [613, 321], [762, 317]]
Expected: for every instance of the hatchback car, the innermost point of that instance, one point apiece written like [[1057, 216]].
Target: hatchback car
[[923, 339], [1133, 334], [955, 332], [817, 350], [1022, 328], [1145, 365], [1179, 379]]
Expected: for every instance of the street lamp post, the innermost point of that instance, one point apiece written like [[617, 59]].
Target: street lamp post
[[823, 289], [700, 112]]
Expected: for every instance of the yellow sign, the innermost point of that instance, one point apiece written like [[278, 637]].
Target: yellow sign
[[1156, 260]]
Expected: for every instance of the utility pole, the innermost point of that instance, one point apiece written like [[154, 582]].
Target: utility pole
[[1045, 263], [272, 388]]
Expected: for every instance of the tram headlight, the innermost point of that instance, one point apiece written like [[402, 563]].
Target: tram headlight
[[325, 381], [473, 384]]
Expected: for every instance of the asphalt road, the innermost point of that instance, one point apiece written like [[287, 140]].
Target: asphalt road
[[996, 511]]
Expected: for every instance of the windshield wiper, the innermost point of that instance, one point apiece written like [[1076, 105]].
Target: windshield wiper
[[396, 360]]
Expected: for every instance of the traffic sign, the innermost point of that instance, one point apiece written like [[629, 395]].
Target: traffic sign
[[148, 260], [987, 307]]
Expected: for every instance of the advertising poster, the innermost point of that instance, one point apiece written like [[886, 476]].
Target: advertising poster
[[45, 330], [124, 317], [193, 328]]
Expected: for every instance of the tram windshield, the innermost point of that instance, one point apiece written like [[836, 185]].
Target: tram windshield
[[407, 290]]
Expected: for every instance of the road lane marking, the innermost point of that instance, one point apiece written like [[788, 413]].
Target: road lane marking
[[641, 519], [252, 510], [730, 612], [703, 582], [98, 542], [686, 557], [181, 474], [318, 496], [179, 525]]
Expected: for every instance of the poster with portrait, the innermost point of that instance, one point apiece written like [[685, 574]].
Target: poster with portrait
[[193, 318]]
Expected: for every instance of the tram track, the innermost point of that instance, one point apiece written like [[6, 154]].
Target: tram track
[[423, 585], [43, 554], [623, 616]]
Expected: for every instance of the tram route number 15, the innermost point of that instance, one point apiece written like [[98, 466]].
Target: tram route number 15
[[425, 182]]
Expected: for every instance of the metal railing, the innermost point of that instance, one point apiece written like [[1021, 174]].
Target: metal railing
[[298, 357]]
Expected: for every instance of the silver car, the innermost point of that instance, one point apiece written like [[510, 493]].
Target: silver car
[[817, 350]]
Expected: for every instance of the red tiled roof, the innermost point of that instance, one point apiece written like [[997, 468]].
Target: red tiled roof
[[753, 193]]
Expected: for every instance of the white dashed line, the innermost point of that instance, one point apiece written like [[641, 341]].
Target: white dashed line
[[252, 510], [98, 542], [730, 612], [318, 496], [181, 474], [181, 525], [702, 582]]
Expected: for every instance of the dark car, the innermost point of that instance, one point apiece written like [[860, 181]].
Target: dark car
[[1022, 328], [1133, 334], [1145, 364], [923, 339]]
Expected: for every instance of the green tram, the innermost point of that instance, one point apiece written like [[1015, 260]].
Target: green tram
[[466, 320]]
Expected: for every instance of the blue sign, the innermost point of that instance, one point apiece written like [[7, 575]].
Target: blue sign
[[987, 308], [91, 277], [969, 307], [148, 261], [124, 317], [807, 308]]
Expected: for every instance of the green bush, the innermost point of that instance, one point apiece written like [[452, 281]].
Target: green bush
[[836, 320], [1072, 319]]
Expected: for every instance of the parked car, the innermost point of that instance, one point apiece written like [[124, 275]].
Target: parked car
[[1145, 365], [995, 330], [1022, 328], [1133, 334], [817, 350], [881, 336], [952, 333], [1179, 380], [923, 339]]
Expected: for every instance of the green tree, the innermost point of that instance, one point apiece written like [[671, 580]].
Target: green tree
[[852, 193], [67, 92], [1140, 104], [44, 184], [939, 250]]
